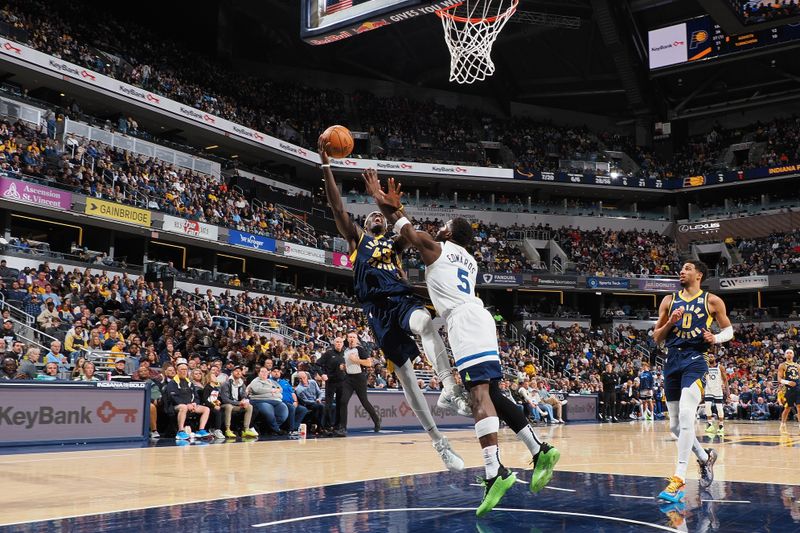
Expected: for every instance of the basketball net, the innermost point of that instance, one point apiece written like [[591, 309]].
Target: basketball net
[[470, 30]]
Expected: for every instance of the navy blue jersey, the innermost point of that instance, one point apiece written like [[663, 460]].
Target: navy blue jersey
[[688, 333], [376, 269], [793, 374], [646, 380]]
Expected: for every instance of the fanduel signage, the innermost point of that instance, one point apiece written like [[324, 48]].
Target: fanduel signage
[[749, 282], [249, 240], [486, 278]]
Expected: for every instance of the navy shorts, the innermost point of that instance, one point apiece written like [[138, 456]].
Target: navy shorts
[[791, 396], [682, 369], [389, 322], [481, 373]]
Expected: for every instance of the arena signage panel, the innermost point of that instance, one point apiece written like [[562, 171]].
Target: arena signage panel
[[341, 260], [191, 228], [48, 412], [249, 240], [120, 212], [33, 193], [494, 278], [607, 283], [748, 282], [396, 413], [655, 284], [556, 282], [306, 253]]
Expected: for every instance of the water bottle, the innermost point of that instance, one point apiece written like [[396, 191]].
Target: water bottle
[[303, 431]]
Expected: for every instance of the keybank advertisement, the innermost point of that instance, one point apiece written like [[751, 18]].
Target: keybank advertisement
[[248, 240], [46, 412], [396, 413]]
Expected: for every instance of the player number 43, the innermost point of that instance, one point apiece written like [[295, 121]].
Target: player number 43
[[463, 276]]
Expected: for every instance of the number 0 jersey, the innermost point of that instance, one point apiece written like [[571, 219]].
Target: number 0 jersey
[[451, 279], [687, 334]]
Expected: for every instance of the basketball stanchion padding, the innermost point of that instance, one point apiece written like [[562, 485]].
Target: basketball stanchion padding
[[470, 30]]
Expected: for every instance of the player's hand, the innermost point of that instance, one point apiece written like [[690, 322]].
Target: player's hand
[[373, 184], [708, 336], [393, 194], [676, 315], [792, 383], [322, 149]]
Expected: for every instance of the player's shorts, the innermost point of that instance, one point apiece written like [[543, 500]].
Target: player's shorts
[[389, 320], [646, 394], [472, 334], [792, 396], [713, 398], [683, 368]]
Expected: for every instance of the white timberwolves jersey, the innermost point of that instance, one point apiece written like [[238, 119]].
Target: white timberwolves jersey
[[451, 279], [714, 382]]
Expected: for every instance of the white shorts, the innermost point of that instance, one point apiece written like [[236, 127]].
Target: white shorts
[[713, 397], [473, 336]]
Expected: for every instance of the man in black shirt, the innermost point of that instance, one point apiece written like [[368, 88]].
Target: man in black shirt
[[356, 360], [332, 365], [610, 382]]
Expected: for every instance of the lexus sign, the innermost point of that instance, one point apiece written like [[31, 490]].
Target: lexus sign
[[700, 226]]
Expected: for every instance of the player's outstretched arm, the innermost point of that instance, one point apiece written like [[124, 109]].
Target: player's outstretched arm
[[390, 200], [666, 320], [346, 228]]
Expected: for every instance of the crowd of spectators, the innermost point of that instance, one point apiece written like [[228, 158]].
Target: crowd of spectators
[[136, 330], [619, 253], [492, 249], [399, 126], [779, 253]]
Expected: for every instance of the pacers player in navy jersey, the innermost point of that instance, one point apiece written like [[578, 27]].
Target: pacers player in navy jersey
[[789, 377], [684, 319], [451, 275], [395, 314]]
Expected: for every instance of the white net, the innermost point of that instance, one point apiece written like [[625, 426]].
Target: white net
[[470, 30]]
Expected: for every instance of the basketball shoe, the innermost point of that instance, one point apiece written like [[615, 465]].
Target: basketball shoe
[[451, 459], [707, 468], [494, 489], [543, 464], [453, 398]]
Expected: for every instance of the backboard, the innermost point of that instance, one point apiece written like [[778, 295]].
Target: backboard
[[327, 21]]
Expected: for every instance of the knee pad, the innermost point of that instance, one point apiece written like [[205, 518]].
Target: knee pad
[[420, 322]]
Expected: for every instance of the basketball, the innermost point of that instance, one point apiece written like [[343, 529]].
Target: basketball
[[340, 139]]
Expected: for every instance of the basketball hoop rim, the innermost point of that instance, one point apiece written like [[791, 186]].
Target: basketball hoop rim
[[444, 13]]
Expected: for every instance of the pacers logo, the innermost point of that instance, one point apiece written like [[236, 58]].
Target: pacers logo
[[699, 38]]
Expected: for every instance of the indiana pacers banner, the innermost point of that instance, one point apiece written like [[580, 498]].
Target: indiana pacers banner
[[113, 211]]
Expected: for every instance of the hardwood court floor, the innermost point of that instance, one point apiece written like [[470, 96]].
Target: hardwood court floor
[[45, 486]]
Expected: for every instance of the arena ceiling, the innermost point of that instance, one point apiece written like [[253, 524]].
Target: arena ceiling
[[586, 55]]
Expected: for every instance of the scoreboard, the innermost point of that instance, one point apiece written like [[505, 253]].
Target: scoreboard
[[702, 39], [328, 21]]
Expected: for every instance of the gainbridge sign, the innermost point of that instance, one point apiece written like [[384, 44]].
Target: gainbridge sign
[[72, 412]]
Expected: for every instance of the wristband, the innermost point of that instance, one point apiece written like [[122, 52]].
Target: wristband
[[785, 382], [398, 226], [325, 165], [724, 336]]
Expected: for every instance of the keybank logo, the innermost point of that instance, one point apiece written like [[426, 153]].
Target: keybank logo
[[43, 416]]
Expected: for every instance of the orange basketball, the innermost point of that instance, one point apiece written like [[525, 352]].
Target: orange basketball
[[340, 139]]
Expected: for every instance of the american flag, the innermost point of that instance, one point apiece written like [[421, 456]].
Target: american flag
[[333, 6]]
